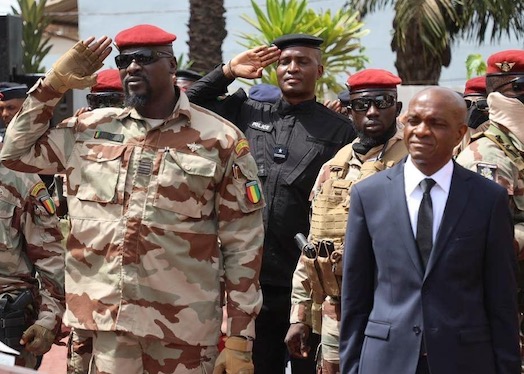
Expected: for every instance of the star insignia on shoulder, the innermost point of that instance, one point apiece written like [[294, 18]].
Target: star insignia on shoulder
[[194, 147], [505, 66]]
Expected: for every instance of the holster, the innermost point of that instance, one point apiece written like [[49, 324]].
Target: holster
[[329, 261], [314, 278], [16, 315]]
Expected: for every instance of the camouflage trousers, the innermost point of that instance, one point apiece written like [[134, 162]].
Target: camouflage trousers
[[330, 337], [122, 352], [79, 351]]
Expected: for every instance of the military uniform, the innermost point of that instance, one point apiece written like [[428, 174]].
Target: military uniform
[[29, 241], [316, 302], [148, 207]]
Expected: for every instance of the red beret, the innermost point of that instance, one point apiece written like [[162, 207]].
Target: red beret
[[508, 62], [373, 79], [475, 86], [108, 80], [143, 35]]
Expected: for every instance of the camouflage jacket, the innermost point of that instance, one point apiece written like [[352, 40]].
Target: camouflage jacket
[[148, 209], [485, 157], [30, 239], [302, 306]]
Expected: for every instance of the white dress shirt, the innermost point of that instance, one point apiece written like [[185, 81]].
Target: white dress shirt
[[439, 192]]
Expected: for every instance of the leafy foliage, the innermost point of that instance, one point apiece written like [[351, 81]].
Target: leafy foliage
[[34, 44], [475, 65], [433, 25], [340, 30]]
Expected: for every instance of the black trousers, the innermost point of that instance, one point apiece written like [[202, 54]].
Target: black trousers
[[269, 350]]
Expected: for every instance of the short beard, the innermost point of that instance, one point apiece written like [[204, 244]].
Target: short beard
[[369, 142], [135, 101]]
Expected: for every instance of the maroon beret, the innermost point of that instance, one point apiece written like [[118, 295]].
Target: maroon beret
[[143, 35], [508, 62], [373, 79], [108, 80], [475, 86]]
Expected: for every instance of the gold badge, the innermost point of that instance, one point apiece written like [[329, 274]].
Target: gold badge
[[505, 66]]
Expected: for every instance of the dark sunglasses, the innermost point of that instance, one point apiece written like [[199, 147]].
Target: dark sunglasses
[[105, 100], [362, 104], [517, 84], [481, 104], [144, 57]]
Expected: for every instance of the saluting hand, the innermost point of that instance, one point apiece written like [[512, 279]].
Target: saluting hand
[[250, 64]]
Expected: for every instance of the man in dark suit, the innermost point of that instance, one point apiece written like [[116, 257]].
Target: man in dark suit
[[429, 277]]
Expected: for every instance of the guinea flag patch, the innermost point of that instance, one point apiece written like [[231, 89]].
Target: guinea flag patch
[[253, 191]]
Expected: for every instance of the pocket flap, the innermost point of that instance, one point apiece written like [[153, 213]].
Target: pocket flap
[[104, 153], [194, 164], [476, 334], [379, 330]]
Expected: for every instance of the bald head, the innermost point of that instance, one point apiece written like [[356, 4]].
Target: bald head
[[435, 124]]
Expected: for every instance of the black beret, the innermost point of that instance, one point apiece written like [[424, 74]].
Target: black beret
[[15, 92], [187, 74], [343, 97], [298, 40], [266, 93]]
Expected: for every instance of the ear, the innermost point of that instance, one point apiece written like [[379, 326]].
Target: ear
[[320, 71], [173, 64], [399, 107]]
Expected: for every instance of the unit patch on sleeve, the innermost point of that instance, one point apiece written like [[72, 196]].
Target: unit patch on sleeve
[[241, 146], [488, 171], [39, 192], [253, 191]]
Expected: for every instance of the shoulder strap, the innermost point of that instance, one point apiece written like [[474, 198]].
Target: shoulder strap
[[504, 143], [339, 165]]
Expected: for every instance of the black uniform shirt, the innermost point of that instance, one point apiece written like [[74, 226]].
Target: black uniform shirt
[[290, 143]]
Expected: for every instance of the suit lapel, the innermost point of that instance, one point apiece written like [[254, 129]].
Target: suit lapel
[[457, 200], [395, 191]]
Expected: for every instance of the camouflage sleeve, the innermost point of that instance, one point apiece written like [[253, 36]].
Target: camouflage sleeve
[[44, 250], [30, 145], [241, 233], [486, 158], [301, 301]]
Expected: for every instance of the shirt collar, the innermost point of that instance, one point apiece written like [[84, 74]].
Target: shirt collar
[[413, 176], [182, 108]]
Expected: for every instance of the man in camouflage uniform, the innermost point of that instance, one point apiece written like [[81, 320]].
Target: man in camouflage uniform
[[107, 92], [497, 152], [316, 281], [152, 190], [31, 266]]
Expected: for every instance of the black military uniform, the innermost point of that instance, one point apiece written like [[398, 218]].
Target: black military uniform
[[290, 143]]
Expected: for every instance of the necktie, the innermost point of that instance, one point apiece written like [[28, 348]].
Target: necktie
[[425, 221]]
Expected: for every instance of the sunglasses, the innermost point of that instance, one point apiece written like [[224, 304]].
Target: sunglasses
[[517, 84], [362, 104], [105, 100], [481, 104], [144, 57]]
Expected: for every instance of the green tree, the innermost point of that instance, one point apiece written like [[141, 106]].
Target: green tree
[[341, 32], [34, 44], [424, 30], [475, 65], [207, 31]]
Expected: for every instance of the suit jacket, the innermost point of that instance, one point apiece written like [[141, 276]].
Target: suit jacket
[[463, 305]]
